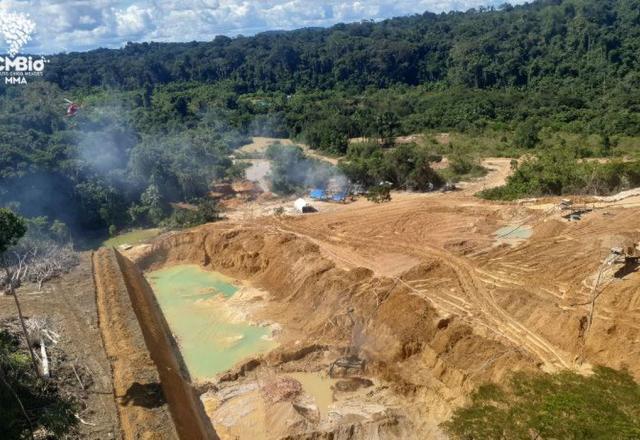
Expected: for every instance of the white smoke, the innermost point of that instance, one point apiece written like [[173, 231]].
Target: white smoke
[[16, 29]]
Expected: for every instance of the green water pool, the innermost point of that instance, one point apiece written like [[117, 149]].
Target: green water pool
[[132, 237], [514, 232], [211, 335]]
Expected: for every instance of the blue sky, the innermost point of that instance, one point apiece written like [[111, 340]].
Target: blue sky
[[70, 25]]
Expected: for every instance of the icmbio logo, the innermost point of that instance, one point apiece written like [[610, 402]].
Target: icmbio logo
[[17, 30]]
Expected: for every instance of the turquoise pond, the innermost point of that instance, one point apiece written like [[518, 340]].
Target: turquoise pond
[[514, 232], [212, 337]]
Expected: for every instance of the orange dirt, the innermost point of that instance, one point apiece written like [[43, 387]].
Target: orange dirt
[[441, 305], [151, 385]]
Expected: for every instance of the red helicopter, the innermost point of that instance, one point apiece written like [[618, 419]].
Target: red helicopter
[[72, 108]]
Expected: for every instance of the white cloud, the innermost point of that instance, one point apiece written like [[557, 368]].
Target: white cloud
[[134, 21], [67, 25]]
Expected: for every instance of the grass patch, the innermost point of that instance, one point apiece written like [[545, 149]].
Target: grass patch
[[132, 237], [566, 405]]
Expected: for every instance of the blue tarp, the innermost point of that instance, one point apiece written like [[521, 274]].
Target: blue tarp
[[340, 197], [318, 194]]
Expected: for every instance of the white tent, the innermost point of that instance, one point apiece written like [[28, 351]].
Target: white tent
[[300, 204]]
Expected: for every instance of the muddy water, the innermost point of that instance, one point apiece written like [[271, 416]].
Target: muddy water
[[212, 336], [513, 235], [514, 232], [318, 386]]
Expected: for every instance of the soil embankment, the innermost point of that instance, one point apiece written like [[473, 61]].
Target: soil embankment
[[428, 294], [151, 385]]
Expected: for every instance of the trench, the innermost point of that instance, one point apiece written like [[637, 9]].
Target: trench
[[212, 334]]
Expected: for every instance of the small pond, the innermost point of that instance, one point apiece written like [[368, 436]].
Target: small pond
[[514, 232], [212, 336], [317, 385]]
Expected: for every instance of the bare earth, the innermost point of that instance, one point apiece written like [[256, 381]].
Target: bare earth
[[444, 302], [421, 287], [69, 305]]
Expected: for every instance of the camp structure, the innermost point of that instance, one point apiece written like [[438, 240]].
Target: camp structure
[[340, 197], [337, 190], [246, 189], [303, 207], [318, 194], [220, 190]]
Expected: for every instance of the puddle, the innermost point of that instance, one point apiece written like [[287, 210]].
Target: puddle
[[211, 335], [318, 386], [513, 234]]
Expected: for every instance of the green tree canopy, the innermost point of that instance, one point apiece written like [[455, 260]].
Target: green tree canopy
[[12, 228]]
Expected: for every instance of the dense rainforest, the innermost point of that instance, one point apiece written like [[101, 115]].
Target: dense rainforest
[[158, 121]]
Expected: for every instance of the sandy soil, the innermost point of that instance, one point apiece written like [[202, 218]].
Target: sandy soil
[[427, 293], [529, 295]]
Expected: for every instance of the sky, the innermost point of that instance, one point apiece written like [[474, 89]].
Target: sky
[[78, 25]]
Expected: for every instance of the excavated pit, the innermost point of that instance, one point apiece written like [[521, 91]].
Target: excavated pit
[[416, 369], [438, 310]]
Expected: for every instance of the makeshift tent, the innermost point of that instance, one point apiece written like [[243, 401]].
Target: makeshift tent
[[340, 197], [300, 204], [318, 194]]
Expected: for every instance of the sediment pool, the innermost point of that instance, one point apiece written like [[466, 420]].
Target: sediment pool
[[212, 336], [514, 232], [317, 385]]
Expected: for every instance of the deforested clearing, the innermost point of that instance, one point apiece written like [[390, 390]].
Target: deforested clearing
[[426, 299]]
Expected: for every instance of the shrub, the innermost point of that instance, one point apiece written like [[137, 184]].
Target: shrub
[[292, 171], [206, 211], [380, 193], [558, 171], [406, 167], [41, 399]]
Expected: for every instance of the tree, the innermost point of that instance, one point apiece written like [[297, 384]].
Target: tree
[[387, 125], [293, 171], [526, 135], [12, 229], [606, 145], [153, 203]]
